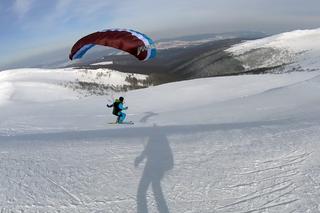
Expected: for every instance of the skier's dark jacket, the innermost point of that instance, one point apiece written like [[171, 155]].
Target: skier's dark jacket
[[117, 107]]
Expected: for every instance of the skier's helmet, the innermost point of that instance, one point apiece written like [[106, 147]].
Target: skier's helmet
[[121, 99]]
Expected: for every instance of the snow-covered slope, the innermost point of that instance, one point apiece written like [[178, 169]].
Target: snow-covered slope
[[297, 50], [230, 144], [45, 85]]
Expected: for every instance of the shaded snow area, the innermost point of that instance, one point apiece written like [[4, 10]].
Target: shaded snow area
[[245, 143], [298, 51]]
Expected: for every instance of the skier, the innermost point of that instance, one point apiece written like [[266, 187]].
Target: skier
[[118, 109]]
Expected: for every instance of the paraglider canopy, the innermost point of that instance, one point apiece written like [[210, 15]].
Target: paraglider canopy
[[130, 41]]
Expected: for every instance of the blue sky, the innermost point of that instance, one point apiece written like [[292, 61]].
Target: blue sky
[[30, 27]]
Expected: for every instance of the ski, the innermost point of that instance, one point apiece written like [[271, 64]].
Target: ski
[[126, 122]]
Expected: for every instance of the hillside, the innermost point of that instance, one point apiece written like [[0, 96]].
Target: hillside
[[244, 143], [286, 52], [292, 51]]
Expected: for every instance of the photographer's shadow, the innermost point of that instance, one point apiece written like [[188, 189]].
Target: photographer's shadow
[[159, 160]]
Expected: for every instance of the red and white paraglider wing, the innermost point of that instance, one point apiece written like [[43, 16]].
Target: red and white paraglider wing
[[133, 42]]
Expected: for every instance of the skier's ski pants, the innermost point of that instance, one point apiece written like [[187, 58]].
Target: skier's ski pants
[[122, 116]]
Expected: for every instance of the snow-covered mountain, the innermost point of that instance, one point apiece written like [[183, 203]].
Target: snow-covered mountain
[[292, 51], [286, 52], [38, 85], [246, 143], [194, 40]]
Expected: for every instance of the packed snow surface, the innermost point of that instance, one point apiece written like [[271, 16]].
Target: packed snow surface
[[298, 50], [229, 144]]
